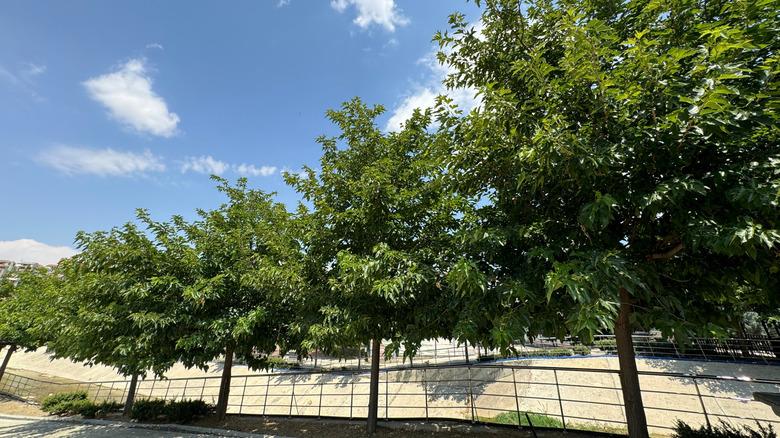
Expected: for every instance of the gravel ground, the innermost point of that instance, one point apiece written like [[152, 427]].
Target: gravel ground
[[15, 407]]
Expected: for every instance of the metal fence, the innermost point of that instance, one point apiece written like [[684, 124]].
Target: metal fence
[[759, 349], [569, 398]]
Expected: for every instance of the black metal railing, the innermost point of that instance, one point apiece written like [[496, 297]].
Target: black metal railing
[[563, 397]]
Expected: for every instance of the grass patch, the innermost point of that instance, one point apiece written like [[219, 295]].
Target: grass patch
[[538, 420]]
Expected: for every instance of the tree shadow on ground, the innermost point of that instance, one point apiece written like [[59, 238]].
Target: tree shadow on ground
[[731, 379]]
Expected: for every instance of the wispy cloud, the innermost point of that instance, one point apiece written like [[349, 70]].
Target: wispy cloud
[[205, 164], [209, 165], [252, 170], [384, 13], [127, 94], [72, 160], [282, 3], [157, 46], [31, 251], [23, 78]]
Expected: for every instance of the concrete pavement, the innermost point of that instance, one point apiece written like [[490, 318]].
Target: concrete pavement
[[28, 427]]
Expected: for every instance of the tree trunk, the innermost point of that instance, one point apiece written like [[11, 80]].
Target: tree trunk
[[11, 349], [130, 396], [466, 350], [629, 378], [224, 386], [373, 397]]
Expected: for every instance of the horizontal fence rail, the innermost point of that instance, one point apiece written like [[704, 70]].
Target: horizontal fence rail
[[756, 349], [557, 397]]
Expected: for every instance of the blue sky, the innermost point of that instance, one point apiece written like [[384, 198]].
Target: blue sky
[[110, 106]]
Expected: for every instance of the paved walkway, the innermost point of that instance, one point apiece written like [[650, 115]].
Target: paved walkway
[[27, 427]]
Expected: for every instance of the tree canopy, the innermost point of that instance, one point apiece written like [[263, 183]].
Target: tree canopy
[[621, 147]]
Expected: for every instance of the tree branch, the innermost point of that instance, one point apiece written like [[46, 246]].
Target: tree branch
[[668, 254]]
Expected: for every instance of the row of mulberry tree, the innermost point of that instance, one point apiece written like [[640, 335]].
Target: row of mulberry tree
[[621, 171]]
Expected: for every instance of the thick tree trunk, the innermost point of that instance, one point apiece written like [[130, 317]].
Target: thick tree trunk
[[629, 378], [224, 386], [130, 396], [373, 395], [11, 349]]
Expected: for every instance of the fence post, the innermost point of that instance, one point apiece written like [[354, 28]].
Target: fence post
[[701, 401], [167, 389], [97, 392], [243, 392], [203, 389], [124, 391], [471, 394], [387, 402], [351, 394], [184, 392], [425, 387], [560, 402], [319, 405], [151, 391], [267, 385], [292, 397], [111, 392], [517, 402]]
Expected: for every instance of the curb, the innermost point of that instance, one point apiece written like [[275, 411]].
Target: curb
[[146, 426]]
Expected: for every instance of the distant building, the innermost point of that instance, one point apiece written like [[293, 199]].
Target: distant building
[[11, 269]]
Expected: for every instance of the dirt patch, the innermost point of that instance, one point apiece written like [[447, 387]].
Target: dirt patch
[[295, 427], [12, 406]]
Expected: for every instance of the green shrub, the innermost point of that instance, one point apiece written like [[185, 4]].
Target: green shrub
[[725, 430], [581, 349], [186, 410], [549, 352], [146, 410], [176, 411], [57, 404], [281, 363], [107, 407], [85, 408], [538, 420], [606, 345]]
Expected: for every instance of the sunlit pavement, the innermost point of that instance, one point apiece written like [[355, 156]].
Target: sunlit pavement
[[22, 427]]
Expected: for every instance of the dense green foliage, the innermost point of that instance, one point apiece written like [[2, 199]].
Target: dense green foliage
[[177, 411], [29, 302], [376, 233], [620, 145], [239, 277], [77, 403]]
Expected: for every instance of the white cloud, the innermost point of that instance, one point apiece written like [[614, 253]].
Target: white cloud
[[282, 3], [157, 46], [207, 164], [381, 12], [104, 162], [34, 69], [252, 170], [424, 95], [204, 164], [23, 78], [127, 94], [31, 251]]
